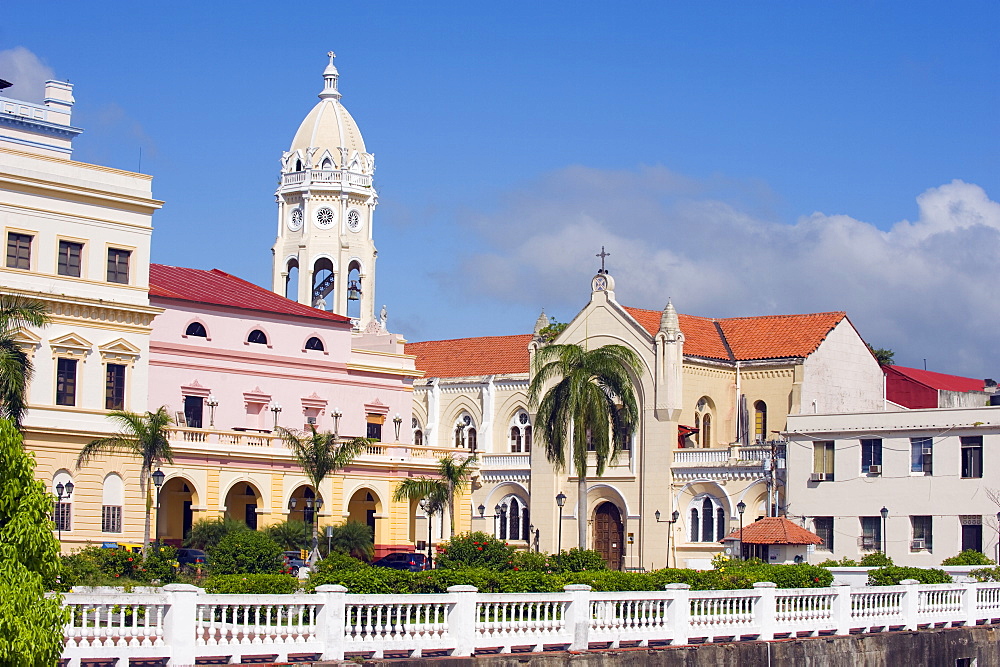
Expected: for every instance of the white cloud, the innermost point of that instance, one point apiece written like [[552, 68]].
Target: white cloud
[[924, 288], [22, 68]]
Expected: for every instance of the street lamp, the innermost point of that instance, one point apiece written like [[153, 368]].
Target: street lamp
[[532, 537], [482, 511], [212, 405], [157, 482], [885, 515], [337, 414], [496, 516], [425, 505], [741, 507], [676, 515], [276, 409], [329, 539], [397, 421], [560, 501], [60, 491]]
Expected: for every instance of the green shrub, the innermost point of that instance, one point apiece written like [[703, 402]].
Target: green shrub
[[475, 550], [340, 562], [531, 561], [354, 539], [247, 552], [968, 557], [291, 535], [251, 584], [794, 575], [843, 562], [160, 566], [207, 533], [876, 559], [368, 580], [986, 574], [578, 560], [700, 580], [893, 574]]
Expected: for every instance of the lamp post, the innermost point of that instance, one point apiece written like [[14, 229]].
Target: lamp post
[[212, 405], [532, 537], [670, 530], [885, 515], [426, 507], [337, 414], [291, 507], [741, 507], [329, 539], [318, 504], [482, 511], [397, 422], [157, 482], [496, 517], [276, 409], [560, 501], [62, 492]]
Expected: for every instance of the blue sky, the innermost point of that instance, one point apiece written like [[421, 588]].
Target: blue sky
[[741, 158]]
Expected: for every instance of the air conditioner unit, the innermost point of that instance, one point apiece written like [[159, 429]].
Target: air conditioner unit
[[918, 544], [310, 420], [928, 451], [874, 470], [817, 477], [867, 542]]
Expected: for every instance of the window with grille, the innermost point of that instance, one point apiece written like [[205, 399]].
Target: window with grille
[[708, 520], [66, 382], [922, 533], [921, 455], [374, 432], [871, 456], [824, 529], [69, 258], [111, 519], [871, 533], [63, 516], [760, 421], [972, 456], [118, 265], [18, 251], [114, 387]]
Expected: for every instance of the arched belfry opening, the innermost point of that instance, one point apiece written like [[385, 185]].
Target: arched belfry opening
[[292, 280], [354, 289], [324, 280]]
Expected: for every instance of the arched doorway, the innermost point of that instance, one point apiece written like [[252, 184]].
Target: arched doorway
[[363, 508], [609, 534], [242, 502], [304, 506], [176, 515]]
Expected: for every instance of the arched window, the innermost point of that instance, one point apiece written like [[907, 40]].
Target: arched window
[[760, 421], [703, 421], [527, 438], [112, 500], [196, 329], [63, 514], [465, 432], [515, 439], [708, 519], [513, 520], [298, 165], [257, 336], [418, 438], [706, 431], [471, 438], [520, 432], [327, 164], [314, 343]]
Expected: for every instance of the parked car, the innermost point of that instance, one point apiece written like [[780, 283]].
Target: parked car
[[412, 562], [191, 558], [294, 560]]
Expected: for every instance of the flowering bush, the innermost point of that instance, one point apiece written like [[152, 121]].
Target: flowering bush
[[475, 550]]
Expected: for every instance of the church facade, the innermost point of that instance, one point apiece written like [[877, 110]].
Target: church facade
[[712, 395]]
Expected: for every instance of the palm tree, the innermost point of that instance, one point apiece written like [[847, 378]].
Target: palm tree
[[453, 476], [289, 534], [354, 539], [590, 406], [146, 437], [15, 366], [320, 455]]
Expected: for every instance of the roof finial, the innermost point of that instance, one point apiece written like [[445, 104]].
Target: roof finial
[[602, 255], [669, 322], [330, 76]]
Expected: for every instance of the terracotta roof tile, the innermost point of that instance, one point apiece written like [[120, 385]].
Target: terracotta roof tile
[[774, 530], [470, 357], [764, 337], [939, 380], [221, 289]]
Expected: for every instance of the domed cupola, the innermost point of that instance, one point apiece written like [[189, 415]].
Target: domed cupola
[[324, 254]]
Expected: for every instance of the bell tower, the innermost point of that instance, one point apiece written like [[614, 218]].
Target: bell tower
[[324, 255]]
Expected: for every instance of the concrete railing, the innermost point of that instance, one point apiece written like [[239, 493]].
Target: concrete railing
[[182, 623]]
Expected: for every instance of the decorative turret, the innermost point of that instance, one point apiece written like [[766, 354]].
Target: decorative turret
[[330, 76], [541, 322], [669, 324]]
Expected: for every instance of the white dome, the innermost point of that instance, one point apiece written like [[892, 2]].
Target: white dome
[[328, 127]]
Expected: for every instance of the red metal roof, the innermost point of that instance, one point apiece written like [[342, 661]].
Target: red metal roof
[[941, 381], [773, 530], [219, 288], [470, 357]]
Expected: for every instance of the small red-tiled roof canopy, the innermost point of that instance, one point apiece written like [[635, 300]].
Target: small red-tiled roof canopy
[[470, 357], [219, 288], [773, 530]]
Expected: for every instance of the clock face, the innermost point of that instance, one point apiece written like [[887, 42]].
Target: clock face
[[600, 284], [324, 218], [354, 221], [295, 220]]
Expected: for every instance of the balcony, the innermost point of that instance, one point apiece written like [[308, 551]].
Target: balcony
[[326, 176], [732, 462]]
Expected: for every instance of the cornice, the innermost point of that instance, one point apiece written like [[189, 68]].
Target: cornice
[[74, 308]]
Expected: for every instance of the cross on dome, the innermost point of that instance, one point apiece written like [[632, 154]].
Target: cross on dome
[[330, 76], [602, 255]]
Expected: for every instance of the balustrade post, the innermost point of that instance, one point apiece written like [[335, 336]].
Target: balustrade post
[[841, 608], [765, 609], [970, 600], [462, 619], [578, 616], [679, 609], [330, 623], [179, 630], [910, 602]]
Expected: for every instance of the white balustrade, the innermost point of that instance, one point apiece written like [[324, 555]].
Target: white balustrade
[[701, 455], [506, 461], [182, 623]]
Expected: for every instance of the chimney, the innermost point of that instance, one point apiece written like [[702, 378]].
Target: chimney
[[59, 101]]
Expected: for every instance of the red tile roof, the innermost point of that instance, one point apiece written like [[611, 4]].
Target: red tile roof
[[470, 357], [221, 289], [941, 381], [774, 530], [763, 337]]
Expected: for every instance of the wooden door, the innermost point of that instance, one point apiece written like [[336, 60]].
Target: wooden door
[[609, 535]]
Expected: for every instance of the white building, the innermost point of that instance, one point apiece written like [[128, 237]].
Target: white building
[[935, 471]]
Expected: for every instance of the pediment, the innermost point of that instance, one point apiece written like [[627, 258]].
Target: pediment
[[119, 349], [71, 342]]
